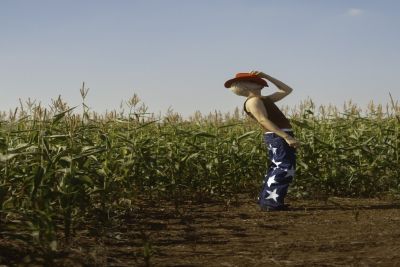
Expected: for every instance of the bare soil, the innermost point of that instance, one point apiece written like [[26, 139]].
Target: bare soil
[[335, 232]]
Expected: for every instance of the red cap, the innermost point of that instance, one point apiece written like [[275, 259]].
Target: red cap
[[245, 76]]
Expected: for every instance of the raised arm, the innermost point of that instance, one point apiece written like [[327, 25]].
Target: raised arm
[[283, 89]]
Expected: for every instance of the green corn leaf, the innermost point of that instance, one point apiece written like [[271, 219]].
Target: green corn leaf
[[61, 115], [85, 179], [4, 158], [204, 134], [245, 135], [37, 179]]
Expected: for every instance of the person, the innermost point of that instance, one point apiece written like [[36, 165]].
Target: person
[[279, 137]]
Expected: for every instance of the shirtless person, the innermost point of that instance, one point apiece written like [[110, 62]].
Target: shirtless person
[[278, 137]]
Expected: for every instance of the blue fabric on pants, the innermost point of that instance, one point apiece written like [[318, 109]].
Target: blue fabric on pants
[[280, 172]]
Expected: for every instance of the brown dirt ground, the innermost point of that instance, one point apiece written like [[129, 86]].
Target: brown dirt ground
[[336, 232]]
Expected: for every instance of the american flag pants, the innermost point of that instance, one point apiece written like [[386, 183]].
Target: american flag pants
[[280, 172]]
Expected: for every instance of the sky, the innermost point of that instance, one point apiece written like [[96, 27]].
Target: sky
[[178, 53]]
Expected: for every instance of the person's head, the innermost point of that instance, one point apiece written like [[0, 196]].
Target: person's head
[[244, 88], [246, 83]]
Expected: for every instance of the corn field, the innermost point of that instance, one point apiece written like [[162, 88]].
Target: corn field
[[62, 166]]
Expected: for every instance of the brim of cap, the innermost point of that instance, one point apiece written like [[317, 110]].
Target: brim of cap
[[258, 80]]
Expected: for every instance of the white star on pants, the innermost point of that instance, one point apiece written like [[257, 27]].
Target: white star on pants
[[272, 148], [272, 195], [290, 172], [277, 163], [271, 180]]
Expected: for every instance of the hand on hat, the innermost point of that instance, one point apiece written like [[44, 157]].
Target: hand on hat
[[259, 74]]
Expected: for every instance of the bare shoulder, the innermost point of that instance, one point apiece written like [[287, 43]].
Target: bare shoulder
[[254, 101], [255, 104]]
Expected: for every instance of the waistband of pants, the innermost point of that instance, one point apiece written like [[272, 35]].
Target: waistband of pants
[[284, 129]]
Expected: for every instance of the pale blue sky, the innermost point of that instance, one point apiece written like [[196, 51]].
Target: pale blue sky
[[178, 53]]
